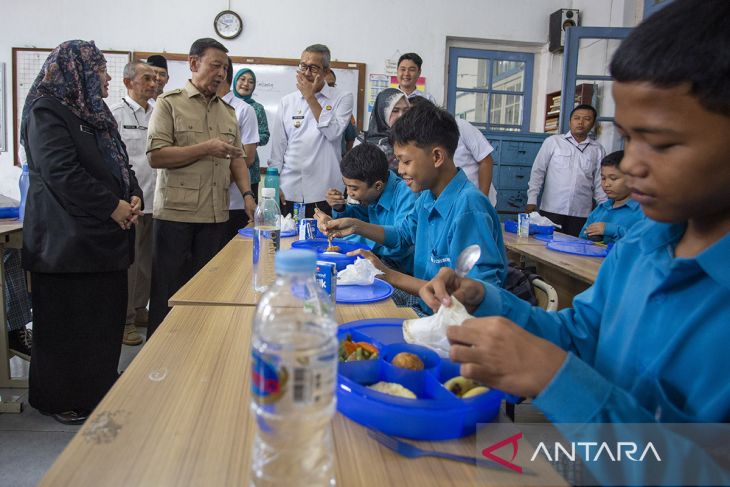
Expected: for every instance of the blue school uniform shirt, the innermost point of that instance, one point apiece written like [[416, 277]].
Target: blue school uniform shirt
[[618, 220], [441, 228], [647, 342], [392, 207]]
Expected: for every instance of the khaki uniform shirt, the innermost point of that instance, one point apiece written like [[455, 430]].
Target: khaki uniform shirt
[[198, 192]]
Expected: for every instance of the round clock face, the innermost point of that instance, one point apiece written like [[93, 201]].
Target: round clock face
[[228, 24]]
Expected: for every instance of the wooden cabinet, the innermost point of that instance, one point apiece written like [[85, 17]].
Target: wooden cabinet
[[583, 95]]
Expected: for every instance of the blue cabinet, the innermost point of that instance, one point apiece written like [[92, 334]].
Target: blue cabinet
[[513, 156]]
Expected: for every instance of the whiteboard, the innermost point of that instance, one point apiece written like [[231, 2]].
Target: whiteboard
[[273, 82], [27, 63]]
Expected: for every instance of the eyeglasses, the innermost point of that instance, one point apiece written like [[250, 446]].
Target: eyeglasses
[[312, 68]]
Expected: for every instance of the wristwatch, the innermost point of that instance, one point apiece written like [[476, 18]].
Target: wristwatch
[[248, 193]]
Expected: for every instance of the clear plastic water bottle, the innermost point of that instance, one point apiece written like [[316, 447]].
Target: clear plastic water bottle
[[266, 239], [23, 182], [293, 369], [271, 180]]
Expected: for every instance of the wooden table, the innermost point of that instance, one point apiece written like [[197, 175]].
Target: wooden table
[[568, 274], [179, 416], [227, 280], [11, 236]]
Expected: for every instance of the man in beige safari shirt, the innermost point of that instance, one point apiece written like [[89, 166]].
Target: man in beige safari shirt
[[194, 143]]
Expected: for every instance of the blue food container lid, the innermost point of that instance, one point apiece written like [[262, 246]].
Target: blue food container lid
[[511, 227], [583, 249], [437, 414], [248, 233], [319, 245], [9, 212]]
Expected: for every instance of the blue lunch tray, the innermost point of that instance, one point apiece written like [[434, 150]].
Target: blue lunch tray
[[339, 259], [437, 414], [377, 291], [248, 233]]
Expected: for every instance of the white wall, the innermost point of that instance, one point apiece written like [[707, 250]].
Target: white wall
[[366, 32]]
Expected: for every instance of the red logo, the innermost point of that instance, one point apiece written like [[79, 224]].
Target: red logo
[[487, 452]]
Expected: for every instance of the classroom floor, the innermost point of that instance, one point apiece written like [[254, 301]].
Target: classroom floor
[[29, 441]]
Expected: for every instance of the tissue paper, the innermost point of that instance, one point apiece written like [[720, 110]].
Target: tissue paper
[[361, 273], [431, 330]]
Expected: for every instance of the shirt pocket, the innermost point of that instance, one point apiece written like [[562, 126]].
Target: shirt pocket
[[561, 160], [182, 192], [227, 132], [188, 132]]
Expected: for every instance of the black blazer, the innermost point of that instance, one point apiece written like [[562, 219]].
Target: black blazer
[[72, 193]]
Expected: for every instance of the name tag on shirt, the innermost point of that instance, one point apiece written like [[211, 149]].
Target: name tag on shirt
[[440, 260], [133, 127], [86, 129], [297, 120]]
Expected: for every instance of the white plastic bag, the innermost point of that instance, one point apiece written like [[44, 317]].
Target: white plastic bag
[[538, 219]]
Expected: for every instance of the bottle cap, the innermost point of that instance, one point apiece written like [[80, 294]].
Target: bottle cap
[[296, 261], [268, 192]]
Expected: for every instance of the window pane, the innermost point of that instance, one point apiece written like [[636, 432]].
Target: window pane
[[607, 135], [471, 106], [506, 110], [508, 75], [472, 73], [594, 56]]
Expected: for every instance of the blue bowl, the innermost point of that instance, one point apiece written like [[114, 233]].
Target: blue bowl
[[319, 245]]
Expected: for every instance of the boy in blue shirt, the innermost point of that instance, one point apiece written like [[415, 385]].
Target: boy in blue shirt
[[384, 199], [449, 215], [648, 341], [610, 220]]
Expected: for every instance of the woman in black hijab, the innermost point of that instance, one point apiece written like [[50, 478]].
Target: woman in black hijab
[[78, 237]]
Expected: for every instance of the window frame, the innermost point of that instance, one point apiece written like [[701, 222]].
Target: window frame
[[455, 53]]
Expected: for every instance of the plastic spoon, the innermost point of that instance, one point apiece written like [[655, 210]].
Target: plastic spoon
[[466, 260]]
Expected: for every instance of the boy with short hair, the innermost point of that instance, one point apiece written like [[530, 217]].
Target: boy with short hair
[[610, 220], [449, 215], [383, 199], [648, 341]]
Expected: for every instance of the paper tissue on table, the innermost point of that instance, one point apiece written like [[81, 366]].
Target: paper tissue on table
[[431, 330], [288, 224], [361, 273]]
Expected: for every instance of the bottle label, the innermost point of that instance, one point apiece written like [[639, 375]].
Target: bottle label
[[308, 383], [268, 382]]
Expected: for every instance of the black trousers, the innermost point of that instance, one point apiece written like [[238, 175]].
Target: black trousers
[[179, 250], [571, 225], [309, 208], [78, 323]]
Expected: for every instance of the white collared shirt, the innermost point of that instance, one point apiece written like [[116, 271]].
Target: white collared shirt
[[248, 125], [134, 135], [306, 152], [428, 96], [569, 175], [473, 147]]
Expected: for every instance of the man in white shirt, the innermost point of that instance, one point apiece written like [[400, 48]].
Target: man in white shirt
[[408, 72], [249, 127], [306, 137], [133, 115], [568, 172]]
